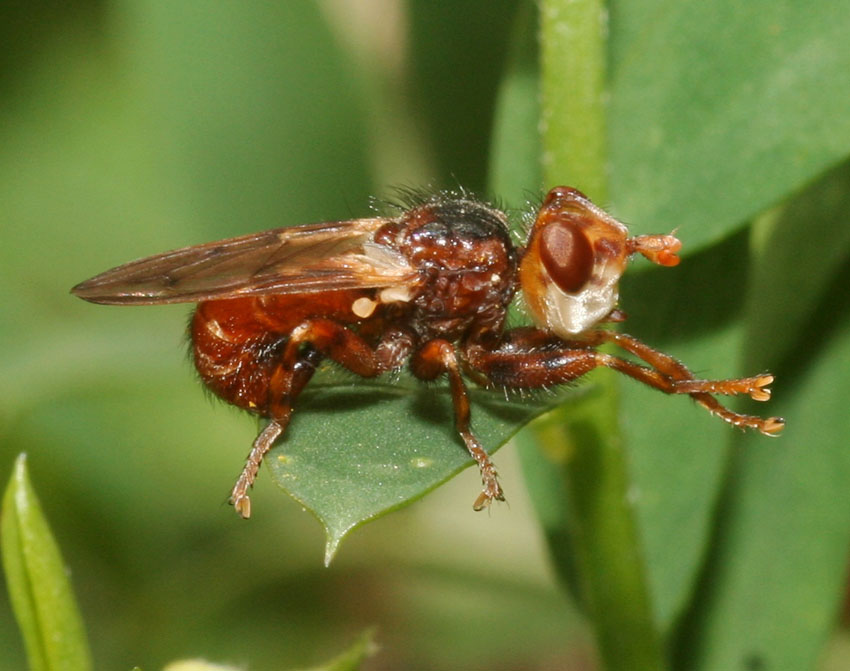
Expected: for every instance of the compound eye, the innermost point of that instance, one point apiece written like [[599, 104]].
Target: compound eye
[[567, 255]]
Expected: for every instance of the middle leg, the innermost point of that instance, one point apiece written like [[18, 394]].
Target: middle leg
[[438, 357]]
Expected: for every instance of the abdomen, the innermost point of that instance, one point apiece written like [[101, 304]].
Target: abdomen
[[237, 342]]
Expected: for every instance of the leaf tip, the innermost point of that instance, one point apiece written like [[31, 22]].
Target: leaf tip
[[19, 471], [331, 546], [16, 491], [21, 462]]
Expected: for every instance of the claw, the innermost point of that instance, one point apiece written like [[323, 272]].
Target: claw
[[242, 504], [492, 490], [772, 426], [759, 391], [482, 502]]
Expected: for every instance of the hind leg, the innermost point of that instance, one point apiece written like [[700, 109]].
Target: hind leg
[[282, 387], [307, 345]]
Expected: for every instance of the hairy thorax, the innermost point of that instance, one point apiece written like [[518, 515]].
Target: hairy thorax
[[466, 261]]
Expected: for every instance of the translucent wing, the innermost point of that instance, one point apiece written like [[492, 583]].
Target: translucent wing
[[300, 259]]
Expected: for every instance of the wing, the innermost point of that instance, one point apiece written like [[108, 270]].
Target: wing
[[300, 259]]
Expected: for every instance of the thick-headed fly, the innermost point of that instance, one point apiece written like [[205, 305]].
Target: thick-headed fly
[[430, 288]]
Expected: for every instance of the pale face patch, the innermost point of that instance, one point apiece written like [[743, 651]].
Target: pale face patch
[[574, 259], [568, 314]]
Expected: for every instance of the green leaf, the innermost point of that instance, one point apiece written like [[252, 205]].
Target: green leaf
[[679, 454], [782, 545], [677, 451], [353, 658], [198, 665], [457, 53], [783, 530], [682, 80], [356, 451], [716, 113], [515, 167], [800, 248], [39, 588], [719, 110], [349, 660]]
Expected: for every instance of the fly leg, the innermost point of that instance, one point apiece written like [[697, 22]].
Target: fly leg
[[285, 384], [438, 357], [308, 343], [683, 382], [755, 387], [528, 360]]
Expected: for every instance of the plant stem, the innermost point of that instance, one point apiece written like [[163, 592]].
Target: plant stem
[[607, 566], [573, 44]]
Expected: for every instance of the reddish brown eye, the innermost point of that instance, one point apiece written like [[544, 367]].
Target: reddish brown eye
[[567, 255]]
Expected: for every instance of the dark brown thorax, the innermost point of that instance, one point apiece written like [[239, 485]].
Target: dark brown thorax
[[467, 265]]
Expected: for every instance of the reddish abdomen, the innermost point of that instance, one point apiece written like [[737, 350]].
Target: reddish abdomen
[[237, 342]]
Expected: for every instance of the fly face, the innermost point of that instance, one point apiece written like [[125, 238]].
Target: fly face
[[575, 256]]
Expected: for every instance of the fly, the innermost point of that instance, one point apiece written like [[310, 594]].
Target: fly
[[428, 288]]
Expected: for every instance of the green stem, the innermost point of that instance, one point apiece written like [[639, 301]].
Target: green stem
[[606, 566], [573, 46]]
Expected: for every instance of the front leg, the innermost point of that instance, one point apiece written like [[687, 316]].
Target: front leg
[[307, 345], [432, 360], [532, 359], [684, 382]]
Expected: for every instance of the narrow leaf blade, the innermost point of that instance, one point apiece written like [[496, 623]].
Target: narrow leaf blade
[[352, 658], [776, 574], [39, 588]]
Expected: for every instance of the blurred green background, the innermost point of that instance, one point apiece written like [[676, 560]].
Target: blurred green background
[[135, 126]]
